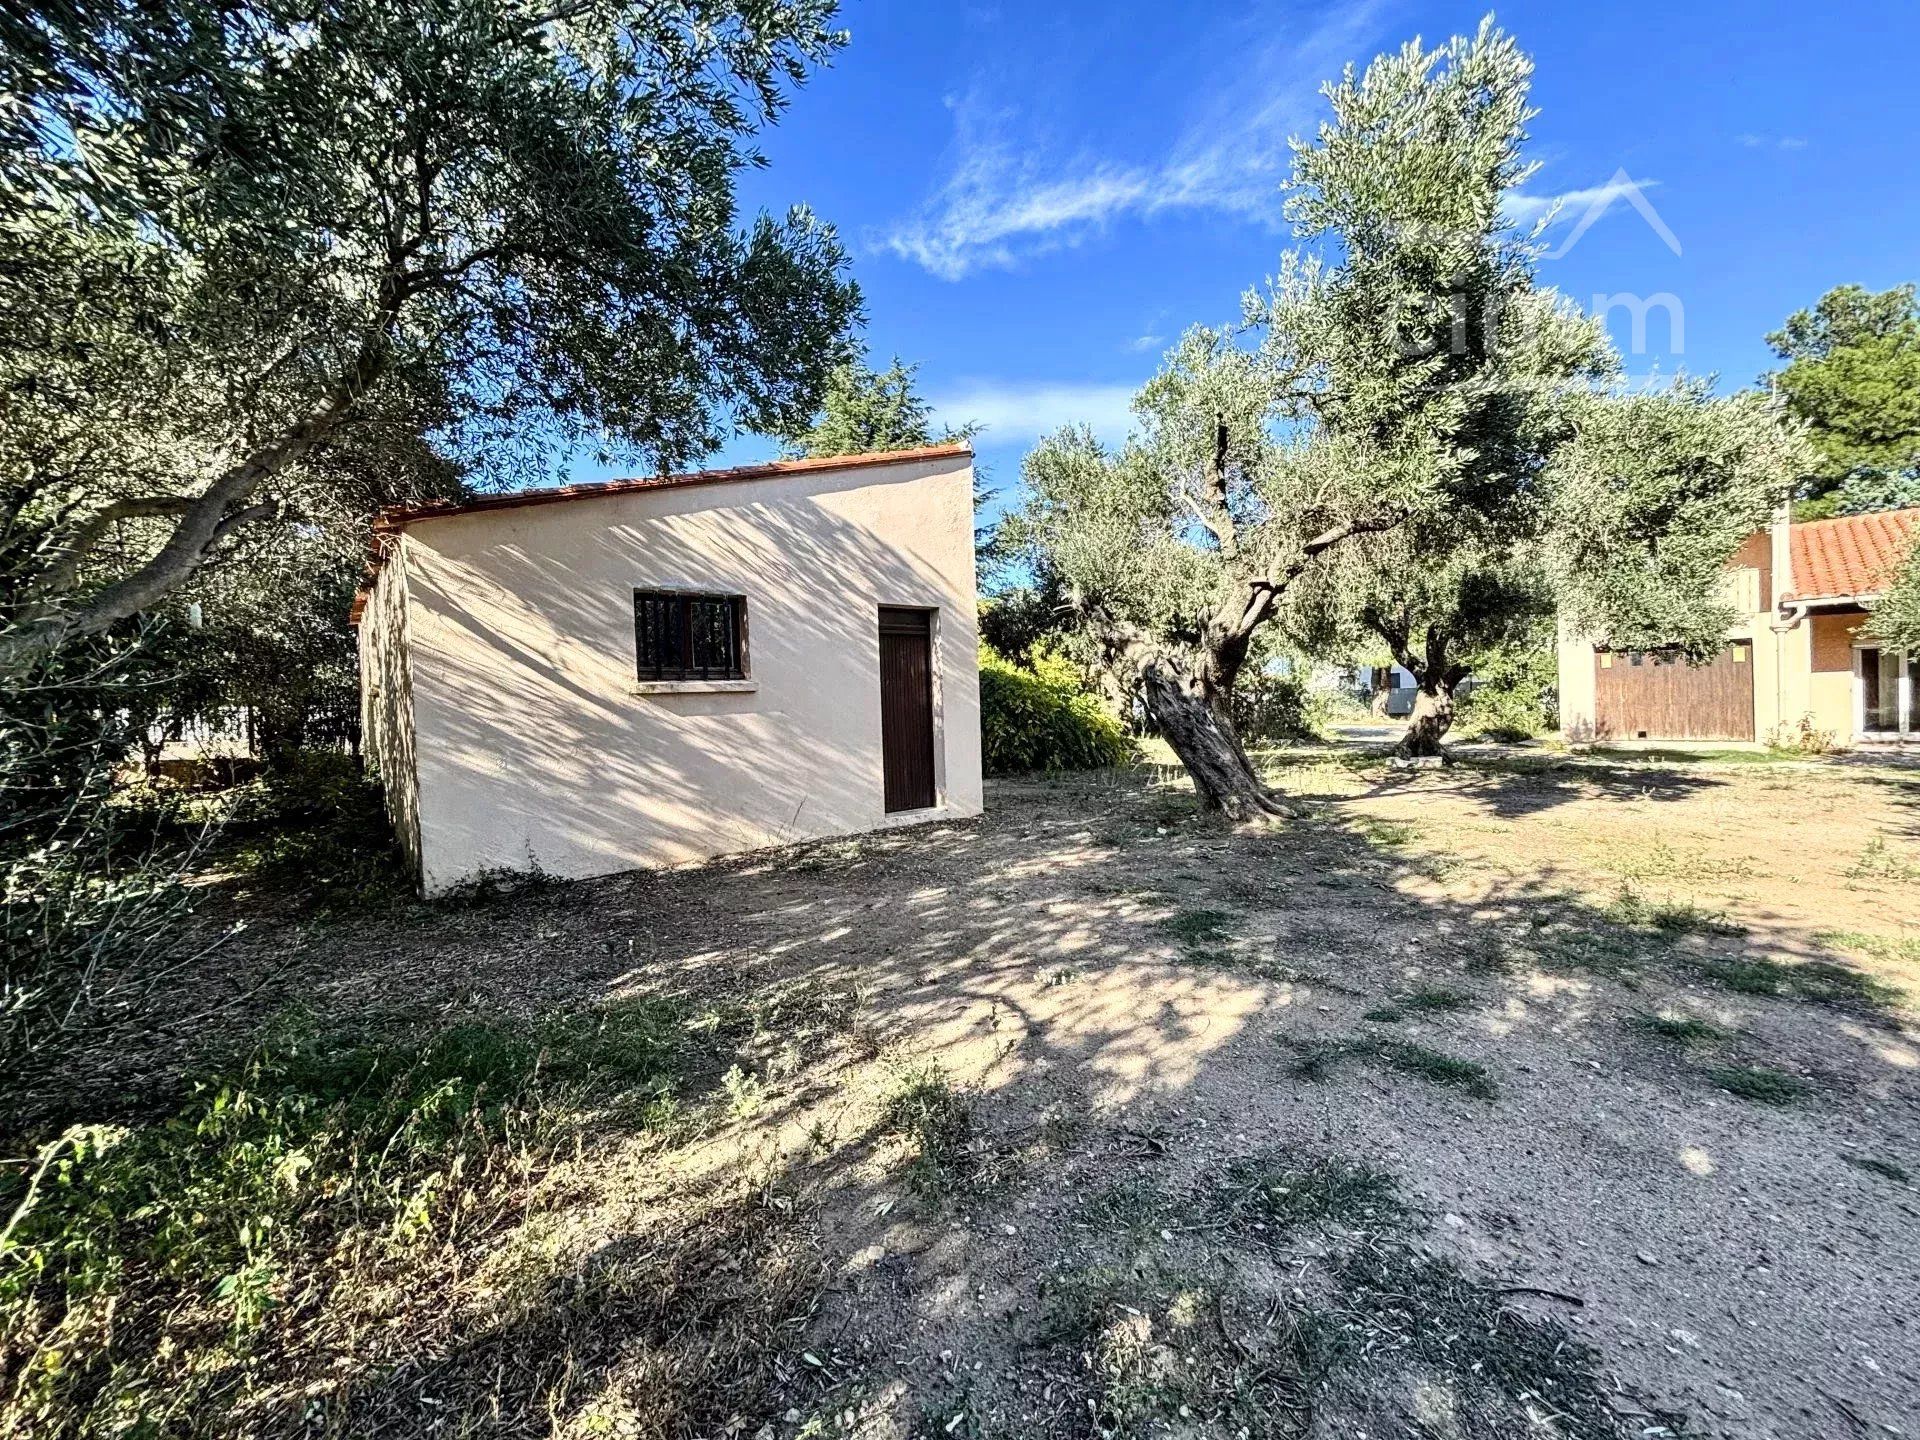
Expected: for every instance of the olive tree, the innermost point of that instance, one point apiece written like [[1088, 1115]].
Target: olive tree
[[1624, 522], [1896, 619], [1403, 384], [1650, 497], [242, 230], [1172, 551]]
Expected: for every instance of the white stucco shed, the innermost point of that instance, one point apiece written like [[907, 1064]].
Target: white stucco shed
[[646, 672]]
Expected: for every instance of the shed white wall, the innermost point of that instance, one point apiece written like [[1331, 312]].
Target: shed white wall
[[535, 746]]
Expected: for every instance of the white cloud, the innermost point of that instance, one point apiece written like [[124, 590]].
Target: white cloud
[[1524, 209], [1769, 142], [1142, 343], [1014, 413], [1583, 209], [1005, 199]]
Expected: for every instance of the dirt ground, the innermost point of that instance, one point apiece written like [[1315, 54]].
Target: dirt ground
[[1416, 1115]]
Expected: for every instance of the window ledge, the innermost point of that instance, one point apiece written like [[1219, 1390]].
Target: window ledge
[[694, 687]]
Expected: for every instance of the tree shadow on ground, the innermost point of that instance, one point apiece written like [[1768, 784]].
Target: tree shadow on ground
[[1119, 991], [1510, 788]]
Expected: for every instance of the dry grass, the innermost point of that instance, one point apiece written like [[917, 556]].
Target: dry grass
[[313, 1244]]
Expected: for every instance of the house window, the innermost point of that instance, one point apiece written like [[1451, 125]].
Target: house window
[[682, 636]]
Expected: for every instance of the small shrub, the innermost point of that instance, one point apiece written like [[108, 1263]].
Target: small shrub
[[1801, 738], [317, 826], [744, 1092], [1514, 695], [94, 902], [1043, 719], [279, 1208]]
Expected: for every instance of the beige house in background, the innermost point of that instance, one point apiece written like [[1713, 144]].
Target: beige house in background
[[1795, 656], [645, 672]]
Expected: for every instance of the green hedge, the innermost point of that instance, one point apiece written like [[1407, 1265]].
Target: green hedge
[[1043, 719], [1276, 710], [1514, 696]]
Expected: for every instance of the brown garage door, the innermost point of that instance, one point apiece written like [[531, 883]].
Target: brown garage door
[[1657, 695]]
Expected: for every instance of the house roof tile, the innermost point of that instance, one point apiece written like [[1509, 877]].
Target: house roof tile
[[1851, 554]]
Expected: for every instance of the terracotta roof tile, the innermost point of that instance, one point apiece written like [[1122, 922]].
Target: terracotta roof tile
[[1851, 554]]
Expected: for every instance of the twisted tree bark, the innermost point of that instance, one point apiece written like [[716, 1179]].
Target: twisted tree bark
[[1433, 706], [1197, 725], [1434, 674]]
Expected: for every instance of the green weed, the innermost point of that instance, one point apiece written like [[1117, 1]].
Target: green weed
[[1278, 1193], [1885, 1169], [1135, 1209], [1419, 1002], [1882, 949], [1820, 981], [1320, 1061], [1661, 861], [1669, 917], [1880, 861], [1499, 1367], [1198, 927], [1390, 834], [937, 1123], [1760, 1084], [1687, 1029], [1165, 1352]]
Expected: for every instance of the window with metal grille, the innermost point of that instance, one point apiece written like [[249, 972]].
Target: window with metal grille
[[682, 636]]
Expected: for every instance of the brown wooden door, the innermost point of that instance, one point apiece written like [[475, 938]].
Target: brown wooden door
[[1656, 695], [906, 707]]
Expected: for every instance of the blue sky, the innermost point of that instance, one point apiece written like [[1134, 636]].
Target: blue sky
[[1039, 198]]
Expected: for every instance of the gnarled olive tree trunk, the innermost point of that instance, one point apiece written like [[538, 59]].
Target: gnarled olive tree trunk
[[1433, 706], [1193, 714], [1435, 677]]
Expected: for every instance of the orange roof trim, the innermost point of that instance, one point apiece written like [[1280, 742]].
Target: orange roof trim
[[399, 515], [396, 517], [1851, 554]]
